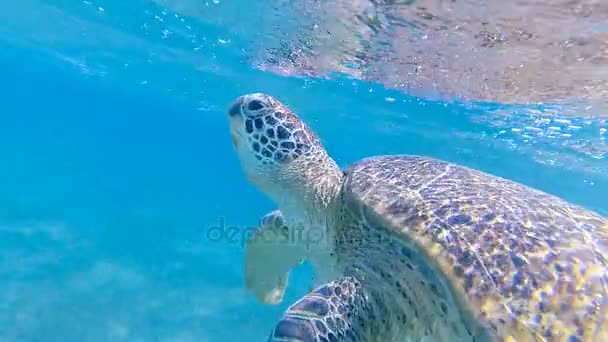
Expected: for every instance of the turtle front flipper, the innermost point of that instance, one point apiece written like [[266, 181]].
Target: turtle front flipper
[[336, 311], [270, 256]]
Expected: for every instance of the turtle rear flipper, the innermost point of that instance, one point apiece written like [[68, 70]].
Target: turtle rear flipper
[[336, 311]]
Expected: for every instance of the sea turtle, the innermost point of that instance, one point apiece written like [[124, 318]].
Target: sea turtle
[[411, 248]]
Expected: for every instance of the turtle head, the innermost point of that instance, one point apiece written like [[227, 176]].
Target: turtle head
[[278, 151], [267, 134]]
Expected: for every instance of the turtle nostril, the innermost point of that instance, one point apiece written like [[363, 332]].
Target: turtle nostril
[[235, 107]]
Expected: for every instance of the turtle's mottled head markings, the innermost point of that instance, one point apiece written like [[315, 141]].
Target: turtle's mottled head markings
[[268, 131], [278, 152]]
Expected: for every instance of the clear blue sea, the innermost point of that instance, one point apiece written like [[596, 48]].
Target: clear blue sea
[[115, 161]]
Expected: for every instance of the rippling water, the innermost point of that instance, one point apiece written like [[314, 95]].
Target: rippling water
[[520, 52], [510, 52], [116, 158]]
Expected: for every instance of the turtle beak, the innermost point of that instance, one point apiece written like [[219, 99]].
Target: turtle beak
[[235, 108], [234, 112]]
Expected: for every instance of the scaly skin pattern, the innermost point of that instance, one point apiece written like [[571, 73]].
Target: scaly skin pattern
[[337, 311], [438, 252]]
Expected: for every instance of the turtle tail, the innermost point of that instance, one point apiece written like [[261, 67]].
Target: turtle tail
[[336, 311]]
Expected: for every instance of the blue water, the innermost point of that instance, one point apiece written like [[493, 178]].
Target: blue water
[[112, 175]]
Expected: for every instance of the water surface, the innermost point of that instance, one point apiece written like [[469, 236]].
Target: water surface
[[116, 163]]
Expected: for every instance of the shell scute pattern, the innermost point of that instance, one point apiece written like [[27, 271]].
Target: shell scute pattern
[[529, 265], [408, 291]]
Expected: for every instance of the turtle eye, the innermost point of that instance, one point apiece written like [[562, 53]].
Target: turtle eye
[[255, 105]]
